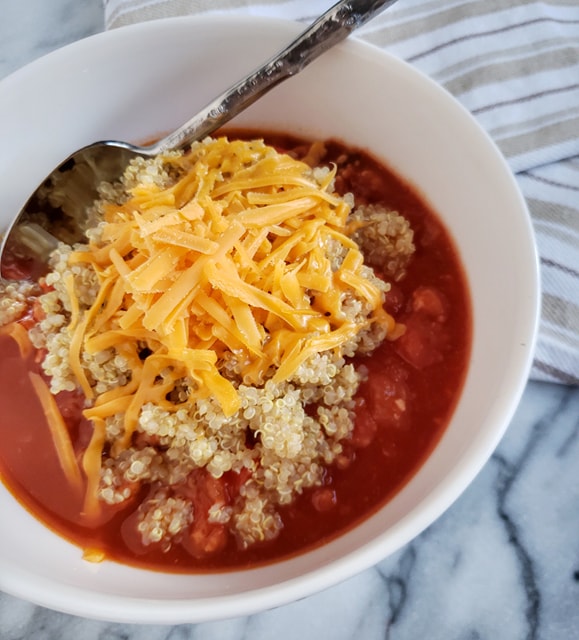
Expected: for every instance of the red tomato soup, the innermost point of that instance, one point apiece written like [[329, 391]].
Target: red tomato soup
[[409, 388]]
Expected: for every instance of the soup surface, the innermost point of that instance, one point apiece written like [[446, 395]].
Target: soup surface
[[369, 433]]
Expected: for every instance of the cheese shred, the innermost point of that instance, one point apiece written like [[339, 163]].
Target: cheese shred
[[20, 335], [244, 254], [58, 430]]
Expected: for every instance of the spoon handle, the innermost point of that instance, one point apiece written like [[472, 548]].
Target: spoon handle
[[329, 29]]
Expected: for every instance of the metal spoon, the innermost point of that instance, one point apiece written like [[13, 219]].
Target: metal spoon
[[44, 220]]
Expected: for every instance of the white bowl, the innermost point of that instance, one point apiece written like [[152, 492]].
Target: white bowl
[[139, 81]]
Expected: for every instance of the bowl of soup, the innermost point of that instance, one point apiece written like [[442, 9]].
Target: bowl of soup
[[275, 358]]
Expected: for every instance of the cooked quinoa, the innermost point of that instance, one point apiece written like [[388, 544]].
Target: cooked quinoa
[[385, 238], [15, 299], [282, 434]]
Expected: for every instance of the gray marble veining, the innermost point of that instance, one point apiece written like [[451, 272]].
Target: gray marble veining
[[32, 28], [501, 564]]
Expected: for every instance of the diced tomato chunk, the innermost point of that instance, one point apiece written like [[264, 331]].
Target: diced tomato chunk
[[394, 300], [19, 268], [367, 184], [13, 269], [205, 537], [425, 338], [27, 320], [365, 426], [324, 499], [234, 480], [205, 489], [381, 403], [431, 302], [421, 343], [71, 404], [37, 311]]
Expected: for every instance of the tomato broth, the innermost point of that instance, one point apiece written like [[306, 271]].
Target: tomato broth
[[402, 408]]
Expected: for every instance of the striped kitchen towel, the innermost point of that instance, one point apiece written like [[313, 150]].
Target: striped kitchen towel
[[515, 65]]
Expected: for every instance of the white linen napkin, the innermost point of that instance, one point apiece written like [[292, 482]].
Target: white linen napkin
[[515, 65]]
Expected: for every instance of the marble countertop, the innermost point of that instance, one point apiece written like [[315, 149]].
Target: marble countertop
[[502, 563]]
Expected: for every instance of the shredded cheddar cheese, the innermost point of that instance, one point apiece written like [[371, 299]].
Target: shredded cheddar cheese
[[19, 334], [234, 257], [59, 431]]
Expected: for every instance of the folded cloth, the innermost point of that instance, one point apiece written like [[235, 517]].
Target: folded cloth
[[515, 65]]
